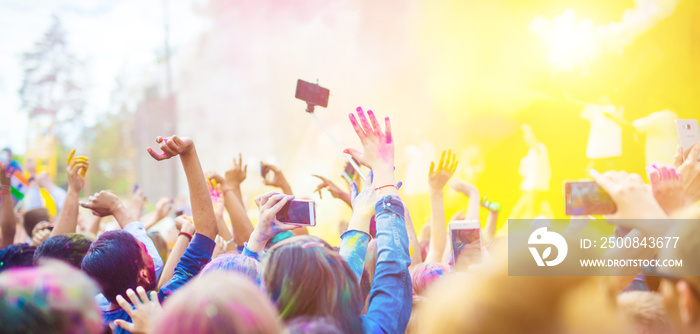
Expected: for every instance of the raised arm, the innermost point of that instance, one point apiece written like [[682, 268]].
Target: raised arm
[[278, 179], [202, 209], [390, 296], [234, 177], [183, 240], [7, 213], [437, 179], [67, 221], [242, 227], [332, 188], [105, 203]]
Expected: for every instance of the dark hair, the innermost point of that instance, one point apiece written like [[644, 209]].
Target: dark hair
[[17, 255], [114, 261], [33, 217], [70, 248]]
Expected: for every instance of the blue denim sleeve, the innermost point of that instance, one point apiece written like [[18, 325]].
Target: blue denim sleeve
[[196, 256], [390, 299], [253, 255], [353, 249]]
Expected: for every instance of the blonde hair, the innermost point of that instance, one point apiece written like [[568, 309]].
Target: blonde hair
[[644, 311], [491, 301], [220, 302]]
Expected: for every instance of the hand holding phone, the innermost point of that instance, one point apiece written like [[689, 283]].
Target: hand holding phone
[[466, 241], [688, 134], [587, 198]]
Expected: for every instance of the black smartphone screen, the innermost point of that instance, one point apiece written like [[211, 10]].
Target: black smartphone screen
[[587, 198], [297, 212]]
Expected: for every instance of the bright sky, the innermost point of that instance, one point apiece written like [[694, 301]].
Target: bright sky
[[113, 38]]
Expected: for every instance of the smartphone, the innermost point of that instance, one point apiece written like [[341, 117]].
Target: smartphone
[[349, 171], [587, 198], [312, 94], [5, 157], [300, 212], [466, 240], [688, 133]]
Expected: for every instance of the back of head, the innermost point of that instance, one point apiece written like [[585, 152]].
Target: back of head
[[305, 277], [644, 312], [423, 275], [70, 248], [50, 298], [33, 217], [16, 255], [238, 263], [304, 325], [225, 302], [114, 261], [489, 300]]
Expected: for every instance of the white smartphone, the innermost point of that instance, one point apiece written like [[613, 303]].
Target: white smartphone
[[466, 240], [300, 212], [4, 157], [688, 133]]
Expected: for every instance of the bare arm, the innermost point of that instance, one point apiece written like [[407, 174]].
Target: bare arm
[[438, 230], [413, 244], [242, 227], [202, 209], [235, 176], [7, 214], [67, 221], [176, 253]]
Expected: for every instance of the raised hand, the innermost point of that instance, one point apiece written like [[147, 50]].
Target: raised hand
[[278, 180], [363, 203], [333, 189], [688, 167], [216, 177], [220, 247], [465, 188], [143, 310], [237, 174], [163, 207], [171, 146], [438, 177], [269, 205], [106, 203], [634, 200], [75, 160], [667, 187], [184, 224], [40, 232], [138, 199], [378, 146], [268, 226]]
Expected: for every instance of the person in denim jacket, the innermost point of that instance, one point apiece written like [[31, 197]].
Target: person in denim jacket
[[304, 277]]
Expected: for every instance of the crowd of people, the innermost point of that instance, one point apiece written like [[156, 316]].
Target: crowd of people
[[65, 274]]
